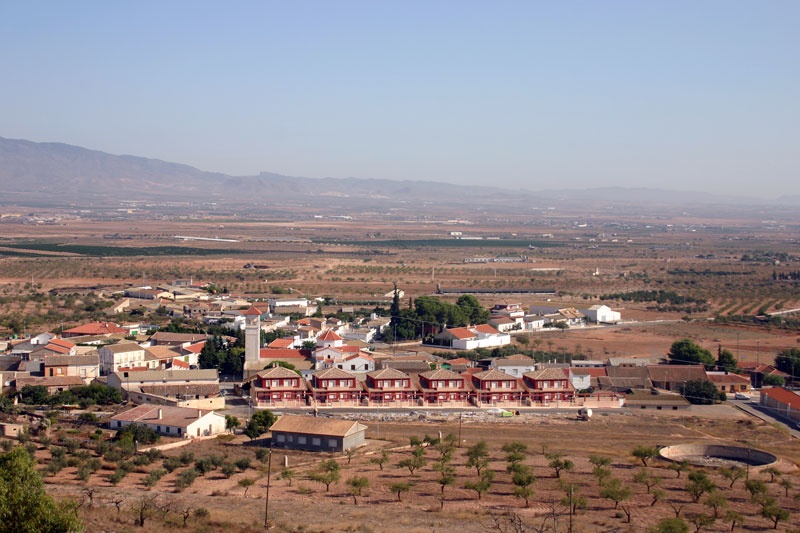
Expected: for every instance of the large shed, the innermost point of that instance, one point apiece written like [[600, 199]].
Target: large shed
[[317, 434]]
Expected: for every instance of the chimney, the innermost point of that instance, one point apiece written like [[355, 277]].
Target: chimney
[[160, 414], [199, 413]]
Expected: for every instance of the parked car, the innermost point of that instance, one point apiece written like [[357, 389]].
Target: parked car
[[740, 396]]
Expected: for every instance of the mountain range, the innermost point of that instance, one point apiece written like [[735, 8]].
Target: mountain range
[[46, 172]]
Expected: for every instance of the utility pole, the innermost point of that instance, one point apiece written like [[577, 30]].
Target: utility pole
[[266, 504], [460, 415]]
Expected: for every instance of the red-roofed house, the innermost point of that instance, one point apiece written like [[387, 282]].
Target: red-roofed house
[[472, 337], [94, 328], [756, 372], [358, 362], [548, 385], [283, 342], [333, 386], [279, 387], [329, 356], [728, 382], [389, 386], [445, 387], [329, 339], [493, 387], [785, 402]]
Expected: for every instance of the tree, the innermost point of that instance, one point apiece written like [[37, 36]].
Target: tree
[[399, 488], [356, 485], [522, 480], [572, 500], [600, 460], [657, 495], [732, 474], [309, 345], [788, 361], [734, 518], [601, 474], [644, 454], [701, 392], [478, 456], [349, 452], [773, 473], [515, 454], [755, 487], [678, 467], [615, 491], [726, 360], [772, 512], [259, 423], [288, 475], [472, 309], [25, 507], [246, 483], [558, 463], [645, 478], [380, 460], [686, 352], [231, 423], [716, 501], [415, 462], [700, 521], [671, 525], [483, 484], [786, 484], [698, 485], [773, 380], [327, 475]]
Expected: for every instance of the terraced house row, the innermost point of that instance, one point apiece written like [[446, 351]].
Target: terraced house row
[[282, 387]]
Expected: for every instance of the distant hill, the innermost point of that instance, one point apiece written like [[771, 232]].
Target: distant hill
[[40, 172]]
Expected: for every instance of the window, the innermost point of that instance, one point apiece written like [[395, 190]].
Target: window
[[158, 429], [280, 437], [332, 443], [316, 441], [301, 440]]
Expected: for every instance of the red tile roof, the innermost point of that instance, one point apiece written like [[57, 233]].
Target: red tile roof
[[329, 335], [252, 312], [461, 333], [196, 347], [95, 328], [784, 396], [62, 342], [285, 342], [486, 328], [282, 353], [728, 378]]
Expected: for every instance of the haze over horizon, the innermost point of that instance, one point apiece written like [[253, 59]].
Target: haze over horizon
[[684, 96]]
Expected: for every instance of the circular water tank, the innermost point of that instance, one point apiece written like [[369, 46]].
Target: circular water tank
[[585, 412]]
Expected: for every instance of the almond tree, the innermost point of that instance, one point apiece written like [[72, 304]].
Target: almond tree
[[382, 459], [399, 488], [478, 456], [643, 477], [644, 453], [522, 480], [716, 501], [558, 463], [356, 486], [482, 485], [734, 518], [615, 491], [732, 474]]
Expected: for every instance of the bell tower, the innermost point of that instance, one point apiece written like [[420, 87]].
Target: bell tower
[[252, 336]]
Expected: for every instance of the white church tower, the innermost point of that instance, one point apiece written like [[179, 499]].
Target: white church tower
[[252, 337]]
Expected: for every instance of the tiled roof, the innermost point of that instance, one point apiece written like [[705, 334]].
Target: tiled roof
[[284, 342], [486, 328], [170, 416], [95, 328], [728, 378], [332, 373], [311, 425], [282, 353], [72, 360], [493, 375], [784, 396], [387, 373], [277, 372], [252, 312], [441, 373], [677, 372], [461, 333], [123, 347], [546, 373], [329, 335], [62, 342]]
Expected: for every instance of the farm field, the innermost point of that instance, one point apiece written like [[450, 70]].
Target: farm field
[[422, 507]]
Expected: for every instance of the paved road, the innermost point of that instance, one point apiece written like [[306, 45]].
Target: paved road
[[752, 408]]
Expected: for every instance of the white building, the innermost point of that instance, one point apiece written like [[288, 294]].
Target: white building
[[601, 314], [172, 421], [359, 362], [124, 354], [472, 337], [515, 366]]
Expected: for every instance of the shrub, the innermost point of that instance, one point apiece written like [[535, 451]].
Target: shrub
[[243, 464], [228, 469], [153, 477], [172, 463], [261, 454], [142, 460], [186, 458], [185, 479], [117, 476]]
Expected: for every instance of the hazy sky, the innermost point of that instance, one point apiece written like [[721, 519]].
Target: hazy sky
[[675, 94]]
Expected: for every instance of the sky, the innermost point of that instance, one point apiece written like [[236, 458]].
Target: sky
[[692, 95]]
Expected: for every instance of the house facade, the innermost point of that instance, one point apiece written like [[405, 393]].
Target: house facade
[[548, 385], [472, 337], [390, 387], [125, 354], [279, 387], [317, 434], [445, 388], [333, 386], [493, 387], [172, 421]]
